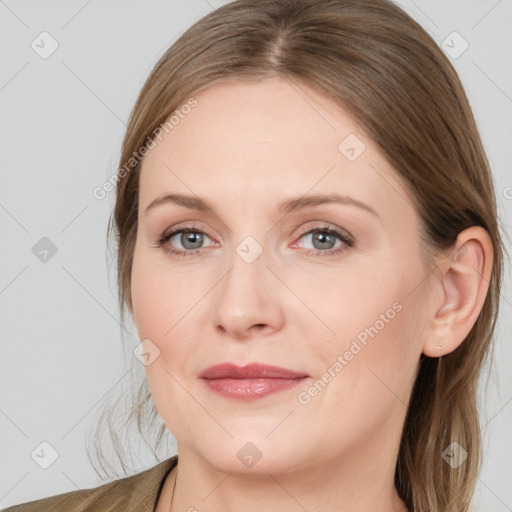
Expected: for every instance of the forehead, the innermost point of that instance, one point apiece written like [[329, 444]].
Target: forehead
[[268, 139]]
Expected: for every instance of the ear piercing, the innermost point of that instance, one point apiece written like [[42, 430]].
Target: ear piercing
[[440, 346]]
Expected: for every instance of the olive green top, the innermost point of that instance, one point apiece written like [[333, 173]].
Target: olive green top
[[136, 493]]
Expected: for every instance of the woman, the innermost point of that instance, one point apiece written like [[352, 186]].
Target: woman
[[309, 247]]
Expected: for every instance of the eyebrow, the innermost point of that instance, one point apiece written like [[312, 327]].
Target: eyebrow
[[288, 206]]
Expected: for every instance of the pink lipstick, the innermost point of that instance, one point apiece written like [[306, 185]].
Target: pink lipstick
[[250, 382]]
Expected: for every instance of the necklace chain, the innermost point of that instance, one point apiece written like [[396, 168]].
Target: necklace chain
[[173, 489]]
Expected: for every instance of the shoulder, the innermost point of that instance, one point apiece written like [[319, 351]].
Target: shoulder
[[133, 493]]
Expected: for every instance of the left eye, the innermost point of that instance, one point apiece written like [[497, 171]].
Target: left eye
[[327, 240], [323, 239]]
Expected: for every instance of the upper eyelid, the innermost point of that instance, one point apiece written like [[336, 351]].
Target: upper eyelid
[[324, 225], [302, 230]]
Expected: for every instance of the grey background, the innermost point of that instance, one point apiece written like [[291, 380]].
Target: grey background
[[63, 119]]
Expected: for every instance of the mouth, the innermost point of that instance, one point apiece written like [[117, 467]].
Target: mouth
[[250, 382]]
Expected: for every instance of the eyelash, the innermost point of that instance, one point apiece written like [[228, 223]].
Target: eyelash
[[344, 237]]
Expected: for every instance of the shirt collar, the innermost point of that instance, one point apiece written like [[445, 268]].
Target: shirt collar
[[147, 486]]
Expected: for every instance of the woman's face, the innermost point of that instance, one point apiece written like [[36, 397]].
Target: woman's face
[[259, 280]]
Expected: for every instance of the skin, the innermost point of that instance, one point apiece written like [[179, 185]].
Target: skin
[[245, 148]]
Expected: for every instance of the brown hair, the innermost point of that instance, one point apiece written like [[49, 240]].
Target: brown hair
[[377, 62]]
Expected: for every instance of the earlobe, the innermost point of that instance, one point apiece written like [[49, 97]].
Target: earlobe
[[464, 281]]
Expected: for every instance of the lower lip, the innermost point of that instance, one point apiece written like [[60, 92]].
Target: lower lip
[[250, 389]]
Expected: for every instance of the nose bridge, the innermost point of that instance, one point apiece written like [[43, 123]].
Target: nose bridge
[[246, 297], [245, 282]]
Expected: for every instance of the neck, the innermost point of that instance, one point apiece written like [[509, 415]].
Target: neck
[[364, 482]]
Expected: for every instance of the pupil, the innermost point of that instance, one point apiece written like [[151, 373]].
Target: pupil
[[191, 240], [325, 240]]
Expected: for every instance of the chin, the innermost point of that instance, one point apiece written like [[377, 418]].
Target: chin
[[247, 454]]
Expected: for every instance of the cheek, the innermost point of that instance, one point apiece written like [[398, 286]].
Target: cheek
[[377, 323], [149, 299], [160, 295], [169, 308], [160, 303]]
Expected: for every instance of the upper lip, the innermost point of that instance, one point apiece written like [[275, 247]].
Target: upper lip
[[249, 371]]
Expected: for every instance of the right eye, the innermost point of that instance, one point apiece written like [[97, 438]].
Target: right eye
[[184, 241]]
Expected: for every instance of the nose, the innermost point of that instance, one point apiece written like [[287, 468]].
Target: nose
[[248, 301]]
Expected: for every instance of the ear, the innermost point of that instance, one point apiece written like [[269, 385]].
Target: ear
[[464, 281]]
